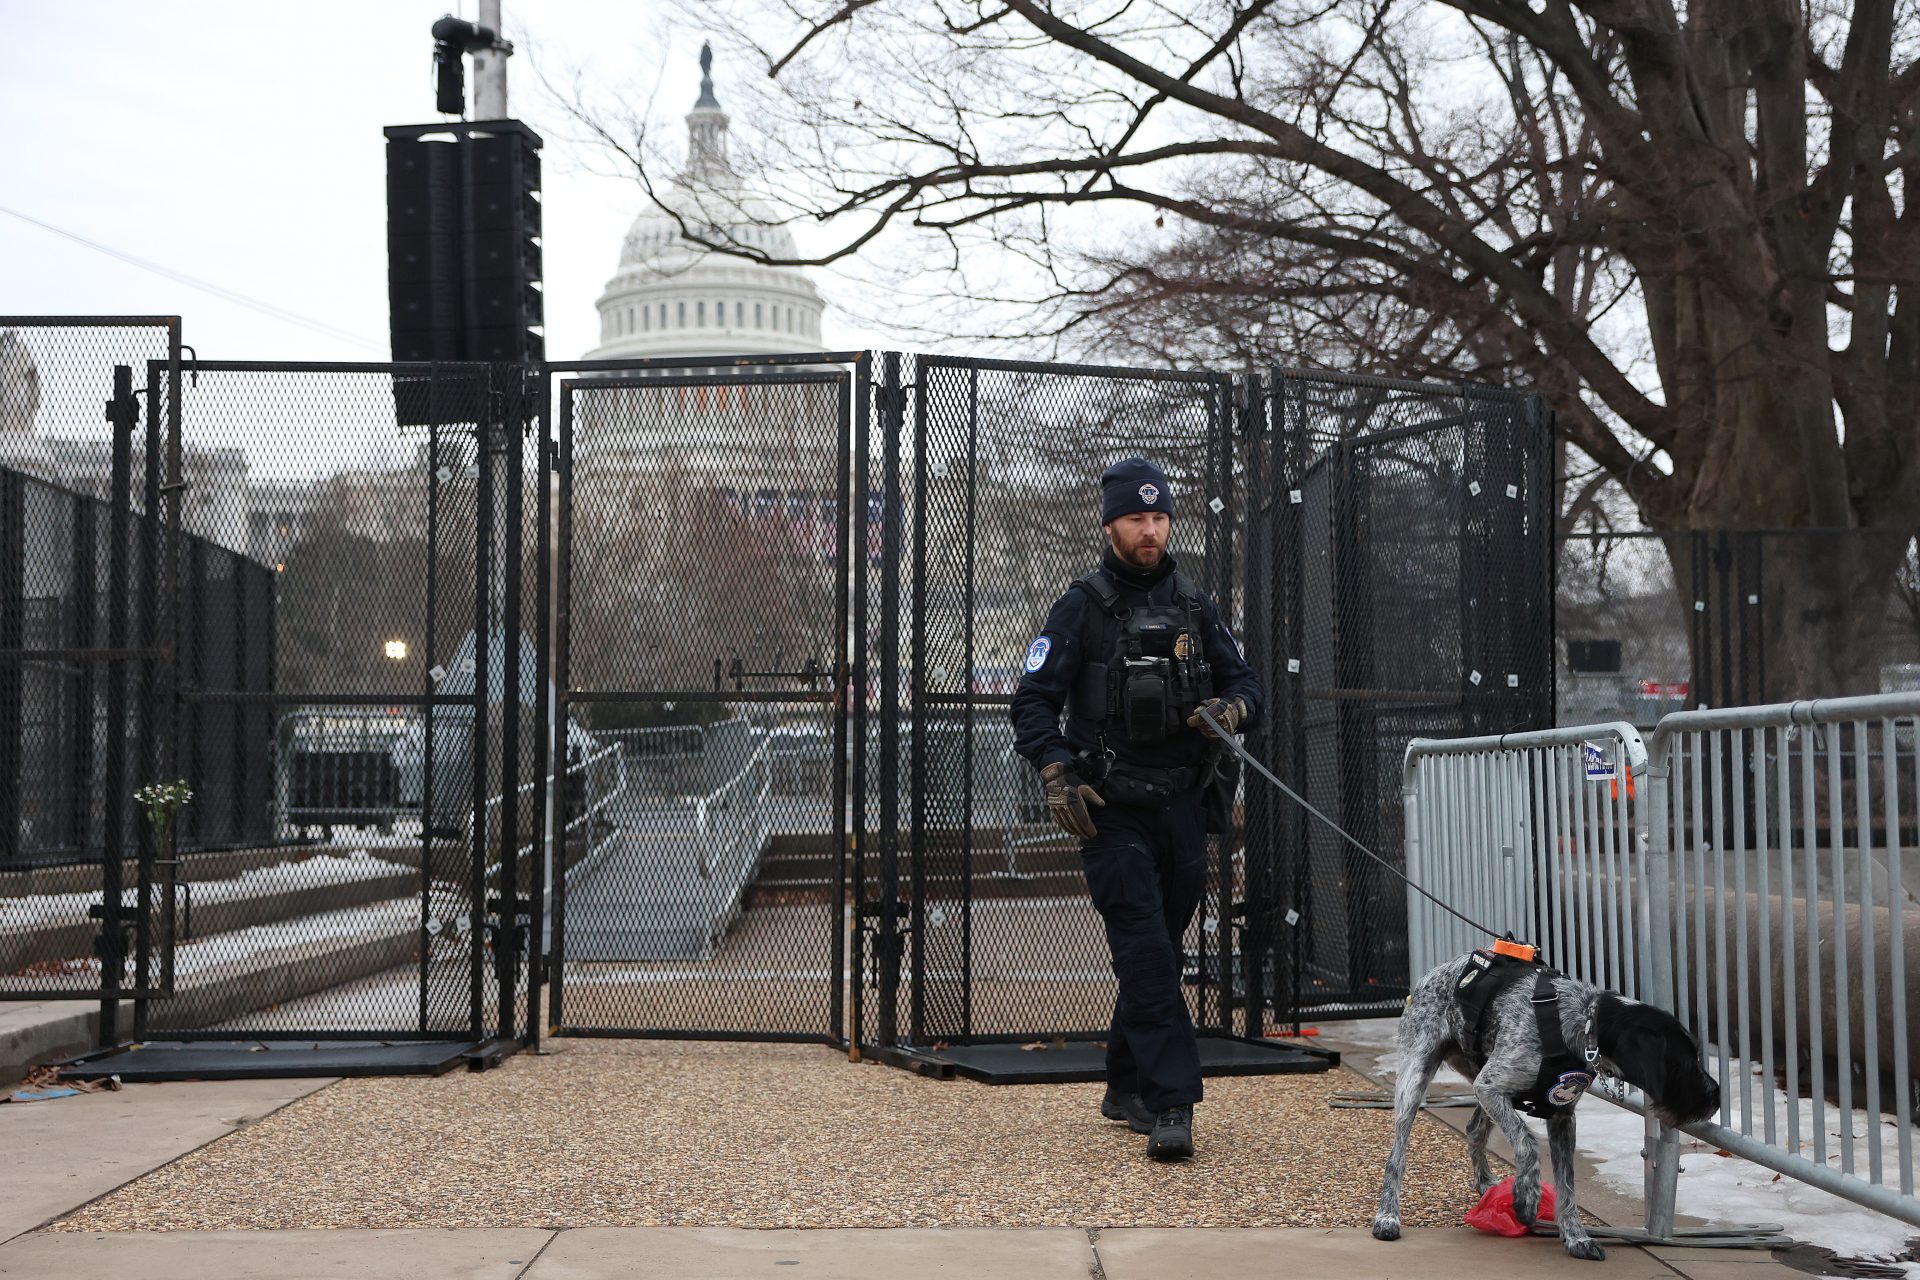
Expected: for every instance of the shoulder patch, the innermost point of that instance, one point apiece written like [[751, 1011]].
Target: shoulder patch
[[1037, 653]]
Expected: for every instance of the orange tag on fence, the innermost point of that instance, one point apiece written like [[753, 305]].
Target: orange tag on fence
[[1518, 950]]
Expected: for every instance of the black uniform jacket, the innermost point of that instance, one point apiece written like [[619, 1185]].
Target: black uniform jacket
[[1042, 693]]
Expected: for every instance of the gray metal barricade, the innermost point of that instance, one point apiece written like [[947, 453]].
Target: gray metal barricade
[[1741, 868], [1533, 833], [1774, 850]]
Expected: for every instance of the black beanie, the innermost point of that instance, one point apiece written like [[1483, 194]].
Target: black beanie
[[1134, 484]]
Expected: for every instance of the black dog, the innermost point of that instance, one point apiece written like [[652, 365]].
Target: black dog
[[1532, 1039]]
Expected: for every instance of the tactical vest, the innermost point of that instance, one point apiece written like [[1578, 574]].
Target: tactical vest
[[1145, 667], [1564, 1075]]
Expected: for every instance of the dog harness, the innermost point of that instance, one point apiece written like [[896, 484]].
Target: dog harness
[[1564, 1074]]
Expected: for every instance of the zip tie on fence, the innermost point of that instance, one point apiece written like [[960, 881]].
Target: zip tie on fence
[[1234, 744]]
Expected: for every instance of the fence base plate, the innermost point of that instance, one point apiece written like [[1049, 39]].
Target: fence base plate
[[1733, 1235], [156, 1060], [1081, 1061]]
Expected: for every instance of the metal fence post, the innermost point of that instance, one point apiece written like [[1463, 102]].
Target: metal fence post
[[1662, 1150], [892, 423], [1417, 955]]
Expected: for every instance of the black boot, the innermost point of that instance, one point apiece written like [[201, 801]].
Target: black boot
[[1127, 1107], [1172, 1136]]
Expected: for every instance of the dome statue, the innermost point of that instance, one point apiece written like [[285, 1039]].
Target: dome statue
[[673, 297]]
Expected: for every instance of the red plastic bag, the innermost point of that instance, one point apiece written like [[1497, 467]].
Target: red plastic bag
[[1494, 1213]]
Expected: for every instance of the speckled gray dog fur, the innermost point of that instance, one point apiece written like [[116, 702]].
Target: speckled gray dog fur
[[1637, 1042]]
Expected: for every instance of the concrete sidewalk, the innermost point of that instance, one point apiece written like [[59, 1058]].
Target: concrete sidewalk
[[62, 1154], [56, 1156], [639, 1253]]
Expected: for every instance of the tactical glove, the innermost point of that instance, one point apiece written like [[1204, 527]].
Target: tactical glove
[[1227, 712], [1067, 798]]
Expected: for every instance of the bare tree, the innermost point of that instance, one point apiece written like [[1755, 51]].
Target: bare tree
[[1686, 224]]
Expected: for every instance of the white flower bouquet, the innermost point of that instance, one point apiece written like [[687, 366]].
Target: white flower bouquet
[[162, 801]]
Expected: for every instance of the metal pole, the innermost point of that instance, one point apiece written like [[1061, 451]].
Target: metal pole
[[891, 423], [1291, 662], [967, 668], [844, 550], [429, 768], [123, 413], [858, 532], [490, 68], [143, 761], [917, 764], [1257, 625], [480, 738], [508, 943], [1662, 1151], [545, 748], [152, 735], [562, 685]]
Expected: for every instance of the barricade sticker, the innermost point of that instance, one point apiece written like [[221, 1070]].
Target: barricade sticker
[[1600, 767]]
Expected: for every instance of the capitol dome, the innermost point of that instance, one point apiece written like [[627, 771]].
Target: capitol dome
[[672, 297]]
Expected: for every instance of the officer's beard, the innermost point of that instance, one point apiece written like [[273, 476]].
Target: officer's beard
[[1144, 559]]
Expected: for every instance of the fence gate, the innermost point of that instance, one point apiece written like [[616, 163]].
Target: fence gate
[[976, 927], [701, 638]]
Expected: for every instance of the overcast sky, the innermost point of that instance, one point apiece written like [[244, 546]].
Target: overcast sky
[[240, 143]]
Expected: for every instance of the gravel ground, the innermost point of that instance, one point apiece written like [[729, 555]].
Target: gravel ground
[[639, 1133]]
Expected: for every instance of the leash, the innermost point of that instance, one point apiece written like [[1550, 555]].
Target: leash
[[1234, 744]]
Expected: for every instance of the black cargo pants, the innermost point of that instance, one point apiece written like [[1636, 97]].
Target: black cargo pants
[[1146, 872]]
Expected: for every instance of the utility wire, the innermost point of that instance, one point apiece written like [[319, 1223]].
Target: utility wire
[[193, 282], [1302, 801]]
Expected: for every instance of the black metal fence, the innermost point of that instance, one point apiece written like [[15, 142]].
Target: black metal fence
[[1654, 622], [1399, 547], [77, 652], [300, 593], [670, 698]]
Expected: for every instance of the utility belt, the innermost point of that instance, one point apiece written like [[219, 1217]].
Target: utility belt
[[1132, 784]]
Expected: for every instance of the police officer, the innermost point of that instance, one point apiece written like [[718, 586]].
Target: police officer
[[1131, 653]]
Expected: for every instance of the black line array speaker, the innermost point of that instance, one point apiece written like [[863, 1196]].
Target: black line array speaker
[[463, 243], [502, 231]]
